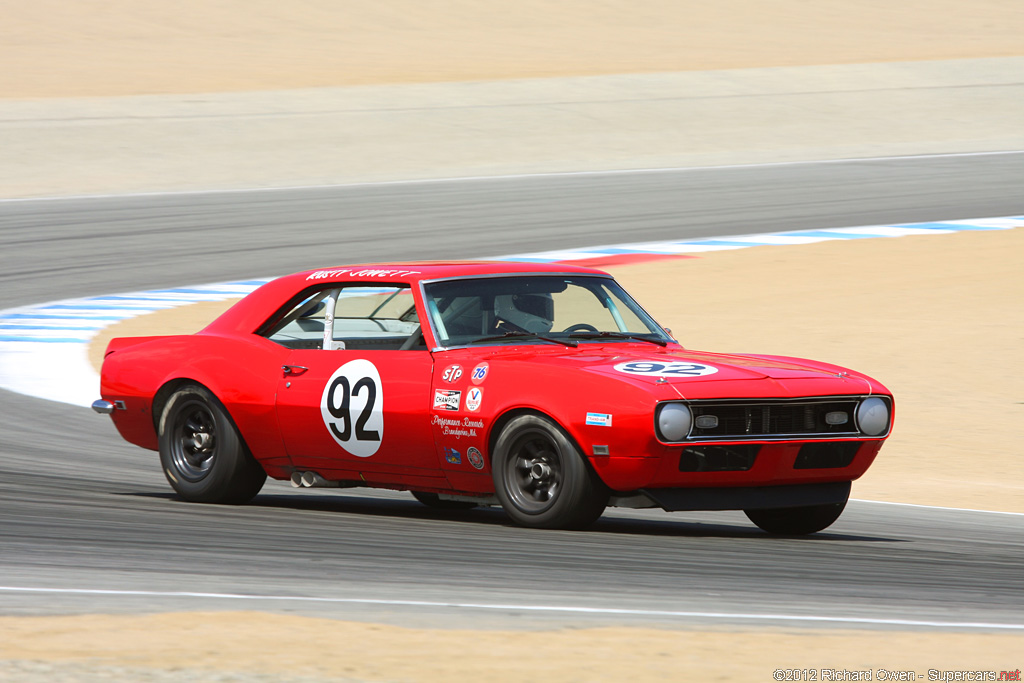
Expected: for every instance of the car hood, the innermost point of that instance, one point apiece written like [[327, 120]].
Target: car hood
[[674, 372], [680, 368]]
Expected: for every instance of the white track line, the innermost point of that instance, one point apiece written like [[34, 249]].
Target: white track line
[[937, 507], [611, 611], [522, 176]]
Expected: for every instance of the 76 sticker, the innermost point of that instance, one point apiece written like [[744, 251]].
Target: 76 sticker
[[659, 368]]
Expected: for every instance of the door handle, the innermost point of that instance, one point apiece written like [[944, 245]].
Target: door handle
[[293, 369]]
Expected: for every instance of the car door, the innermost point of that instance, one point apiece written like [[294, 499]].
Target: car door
[[361, 411], [354, 394]]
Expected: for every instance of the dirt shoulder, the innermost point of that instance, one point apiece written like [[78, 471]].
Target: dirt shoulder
[[126, 97], [269, 647], [122, 47]]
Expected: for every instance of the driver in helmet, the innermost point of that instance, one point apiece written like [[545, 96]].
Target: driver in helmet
[[534, 313]]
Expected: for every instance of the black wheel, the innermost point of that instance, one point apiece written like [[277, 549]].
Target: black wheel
[[203, 457], [432, 500], [541, 478], [796, 521]]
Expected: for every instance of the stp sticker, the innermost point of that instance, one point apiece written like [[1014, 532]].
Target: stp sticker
[[475, 457], [452, 373], [447, 399], [452, 456], [473, 398], [352, 407], [660, 368], [599, 419], [479, 373]]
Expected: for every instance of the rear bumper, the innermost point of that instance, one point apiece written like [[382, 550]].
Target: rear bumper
[[749, 497]]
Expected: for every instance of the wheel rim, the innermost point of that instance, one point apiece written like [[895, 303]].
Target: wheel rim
[[193, 441], [533, 472]]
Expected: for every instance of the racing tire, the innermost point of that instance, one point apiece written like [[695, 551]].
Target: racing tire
[[796, 521], [202, 454], [542, 480], [432, 500]]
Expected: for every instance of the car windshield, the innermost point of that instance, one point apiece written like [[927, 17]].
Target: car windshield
[[536, 309]]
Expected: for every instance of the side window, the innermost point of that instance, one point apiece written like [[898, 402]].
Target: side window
[[359, 317]]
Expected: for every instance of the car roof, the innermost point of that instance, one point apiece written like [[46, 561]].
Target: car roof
[[417, 271]]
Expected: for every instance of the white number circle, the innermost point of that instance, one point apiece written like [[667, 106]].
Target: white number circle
[[662, 368], [353, 407]]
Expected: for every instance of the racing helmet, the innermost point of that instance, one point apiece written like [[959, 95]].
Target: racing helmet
[[533, 313]]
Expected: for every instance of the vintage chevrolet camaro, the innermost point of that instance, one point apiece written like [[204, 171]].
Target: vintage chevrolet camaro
[[544, 388]]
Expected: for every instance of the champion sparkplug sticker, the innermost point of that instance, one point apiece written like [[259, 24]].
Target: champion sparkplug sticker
[[447, 399], [657, 368], [352, 407]]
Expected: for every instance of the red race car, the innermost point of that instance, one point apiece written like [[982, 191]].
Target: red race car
[[543, 388]]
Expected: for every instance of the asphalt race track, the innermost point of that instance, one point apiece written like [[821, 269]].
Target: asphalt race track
[[81, 510]]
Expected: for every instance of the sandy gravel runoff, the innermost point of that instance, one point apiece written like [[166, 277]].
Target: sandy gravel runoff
[[240, 646], [938, 319], [53, 48], [122, 97]]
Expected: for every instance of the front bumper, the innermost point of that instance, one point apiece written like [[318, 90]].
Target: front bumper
[[774, 464]]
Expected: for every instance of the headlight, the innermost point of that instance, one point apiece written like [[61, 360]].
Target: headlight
[[674, 421], [873, 416]]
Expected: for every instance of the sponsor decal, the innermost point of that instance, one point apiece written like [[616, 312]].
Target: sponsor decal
[[475, 457], [599, 419], [457, 428], [480, 373], [352, 407], [447, 399], [473, 398], [452, 373], [659, 368], [365, 272], [452, 456]]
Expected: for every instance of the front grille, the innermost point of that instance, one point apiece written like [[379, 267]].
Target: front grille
[[739, 458], [748, 419]]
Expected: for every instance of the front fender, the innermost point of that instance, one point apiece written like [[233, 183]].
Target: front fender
[[611, 420]]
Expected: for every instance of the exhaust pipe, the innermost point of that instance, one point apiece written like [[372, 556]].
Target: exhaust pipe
[[312, 480]]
